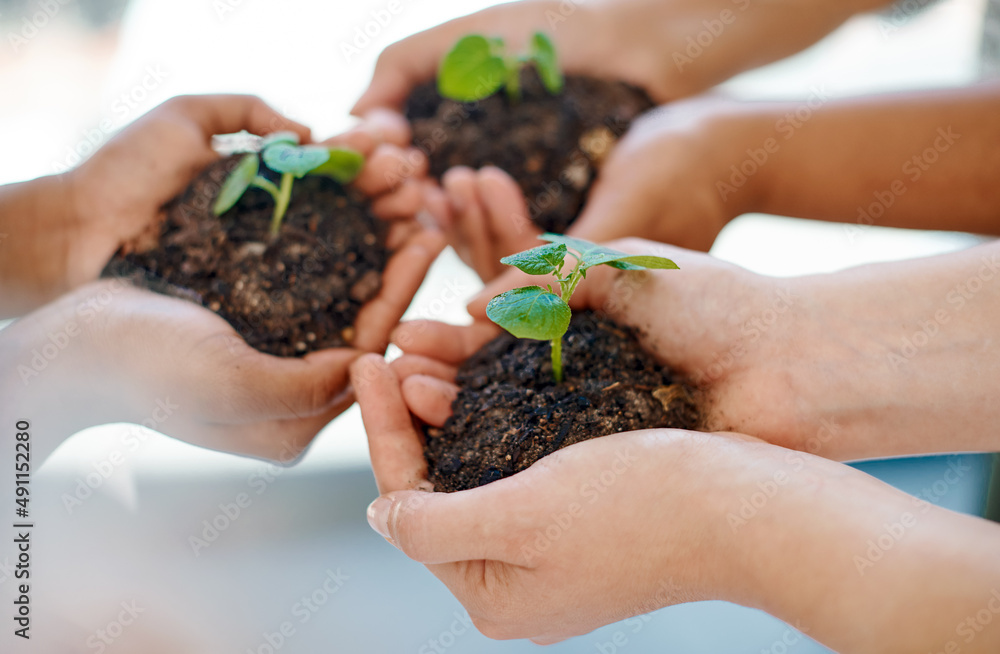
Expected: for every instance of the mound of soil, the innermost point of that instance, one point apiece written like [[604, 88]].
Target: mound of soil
[[552, 145], [286, 296], [509, 412]]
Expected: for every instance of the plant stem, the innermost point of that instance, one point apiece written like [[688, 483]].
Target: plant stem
[[281, 203], [557, 369], [513, 82]]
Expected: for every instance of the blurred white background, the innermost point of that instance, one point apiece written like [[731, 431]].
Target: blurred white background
[[129, 539]]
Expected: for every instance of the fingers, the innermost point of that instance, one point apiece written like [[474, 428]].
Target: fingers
[[259, 387], [468, 231], [401, 204], [379, 126], [387, 167], [400, 280], [396, 449], [450, 344], [226, 114], [429, 398], [435, 528], [511, 278], [413, 364], [508, 213], [400, 67]]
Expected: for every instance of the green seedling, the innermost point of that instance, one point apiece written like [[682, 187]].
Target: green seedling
[[538, 313], [477, 67], [282, 153]]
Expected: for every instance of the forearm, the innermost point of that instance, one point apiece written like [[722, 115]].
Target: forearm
[[862, 567], [919, 160], [897, 358], [54, 378], [37, 225]]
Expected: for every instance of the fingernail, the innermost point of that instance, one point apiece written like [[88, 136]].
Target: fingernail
[[378, 516]]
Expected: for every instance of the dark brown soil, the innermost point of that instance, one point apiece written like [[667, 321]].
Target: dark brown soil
[[509, 412], [551, 145], [288, 296]]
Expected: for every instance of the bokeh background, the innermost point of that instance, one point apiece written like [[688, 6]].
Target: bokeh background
[[85, 64]]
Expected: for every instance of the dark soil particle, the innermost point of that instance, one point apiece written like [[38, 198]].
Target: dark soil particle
[[552, 145], [509, 412], [287, 296]]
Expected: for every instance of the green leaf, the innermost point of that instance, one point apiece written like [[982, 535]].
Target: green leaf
[[542, 260], [343, 165], [236, 184], [295, 159], [279, 137], [471, 71], [530, 312], [592, 254], [543, 53]]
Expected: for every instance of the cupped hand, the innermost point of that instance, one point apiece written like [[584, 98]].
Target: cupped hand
[[661, 182], [128, 353], [591, 534]]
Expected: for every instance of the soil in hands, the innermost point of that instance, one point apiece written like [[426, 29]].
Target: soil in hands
[[510, 412], [287, 296], [552, 145]]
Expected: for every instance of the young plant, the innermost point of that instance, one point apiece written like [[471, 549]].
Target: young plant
[[533, 311], [477, 67], [282, 153]]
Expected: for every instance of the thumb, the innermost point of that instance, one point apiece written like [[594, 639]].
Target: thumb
[[434, 528], [614, 209]]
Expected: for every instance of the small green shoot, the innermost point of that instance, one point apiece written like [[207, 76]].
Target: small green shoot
[[533, 311], [477, 67], [282, 153]]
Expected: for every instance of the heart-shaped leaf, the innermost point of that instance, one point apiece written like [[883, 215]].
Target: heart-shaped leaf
[[543, 53], [541, 260], [471, 71], [344, 165], [298, 160], [236, 184], [530, 312]]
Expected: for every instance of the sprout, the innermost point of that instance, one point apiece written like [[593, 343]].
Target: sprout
[[282, 153], [534, 312], [478, 67]]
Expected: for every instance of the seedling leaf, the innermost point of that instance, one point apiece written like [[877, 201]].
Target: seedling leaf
[[344, 165], [541, 260], [236, 184], [279, 137], [591, 254], [471, 71], [543, 53], [530, 312], [297, 160]]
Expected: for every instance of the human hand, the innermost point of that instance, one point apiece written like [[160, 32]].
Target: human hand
[[825, 364], [659, 182], [120, 354], [644, 42], [597, 532]]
